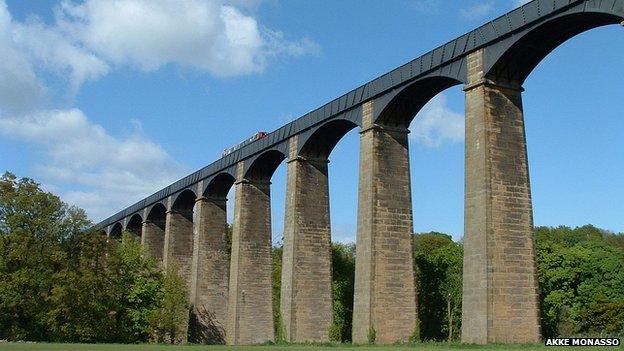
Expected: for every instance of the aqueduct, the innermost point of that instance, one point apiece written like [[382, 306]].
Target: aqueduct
[[500, 296]]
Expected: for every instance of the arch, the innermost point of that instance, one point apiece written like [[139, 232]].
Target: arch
[[184, 203], [219, 185], [135, 225], [157, 215], [515, 58], [116, 230], [403, 105], [263, 167], [324, 139]]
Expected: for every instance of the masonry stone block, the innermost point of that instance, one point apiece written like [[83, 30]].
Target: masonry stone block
[[153, 239], [178, 250], [500, 293], [211, 264], [306, 296], [250, 307], [385, 298]]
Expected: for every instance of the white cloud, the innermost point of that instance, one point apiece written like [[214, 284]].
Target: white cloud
[[518, 3], [437, 124], [206, 35], [102, 172], [88, 39], [477, 11], [82, 161], [19, 86], [48, 48]]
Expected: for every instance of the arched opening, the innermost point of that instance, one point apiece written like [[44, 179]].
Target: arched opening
[[265, 165], [184, 204], [323, 141], [135, 225], [116, 230], [157, 215], [518, 61], [219, 186], [403, 107]]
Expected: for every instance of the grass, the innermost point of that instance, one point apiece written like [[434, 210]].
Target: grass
[[26, 346]]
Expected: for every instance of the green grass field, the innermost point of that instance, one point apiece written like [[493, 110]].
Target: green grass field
[[118, 347]]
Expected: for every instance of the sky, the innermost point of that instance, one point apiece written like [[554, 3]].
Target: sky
[[107, 101]]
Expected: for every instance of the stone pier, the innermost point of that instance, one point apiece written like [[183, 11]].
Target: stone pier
[[153, 238], [306, 296], [385, 298], [250, 308], [178, 246], [500, 295], [211, 263]]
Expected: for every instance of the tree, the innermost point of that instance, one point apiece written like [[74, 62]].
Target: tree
[[106, 294], [578, 271], [343, 282], [168, 320], [438, 266], [33, 226]]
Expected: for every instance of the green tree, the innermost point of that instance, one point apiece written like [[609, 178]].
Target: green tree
[[168, 319], [276, 276], [578, 270], [80, 301], [33, 226], [438, 266], [105, 295], [343, 280]]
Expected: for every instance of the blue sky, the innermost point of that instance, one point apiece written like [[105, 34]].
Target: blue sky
[[105, 102]]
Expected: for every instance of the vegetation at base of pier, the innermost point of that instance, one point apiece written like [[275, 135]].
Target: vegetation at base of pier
[[61, 282], [428, 346]]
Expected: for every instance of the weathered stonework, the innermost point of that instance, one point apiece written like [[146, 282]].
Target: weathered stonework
[[179, 244], [306, 296], [385, 298], [250, 310], [178, 251], [153, 239], [500, 295], [211, 264]]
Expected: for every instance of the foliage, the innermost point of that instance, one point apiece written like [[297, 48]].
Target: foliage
[[168, 319], [372, 336], [603, 317], [60, 281], [106, 293], [438, 265], [343, 281], [276, 275], [33, 227], [578, 272]]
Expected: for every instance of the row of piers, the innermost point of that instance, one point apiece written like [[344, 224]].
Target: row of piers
[[230, 287]]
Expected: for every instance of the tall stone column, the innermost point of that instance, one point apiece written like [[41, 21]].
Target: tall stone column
[[500, 295], [211, 264], [179, 244], [385, 298], [250, 307], [153, 239], [178, 253], [306, 296]]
